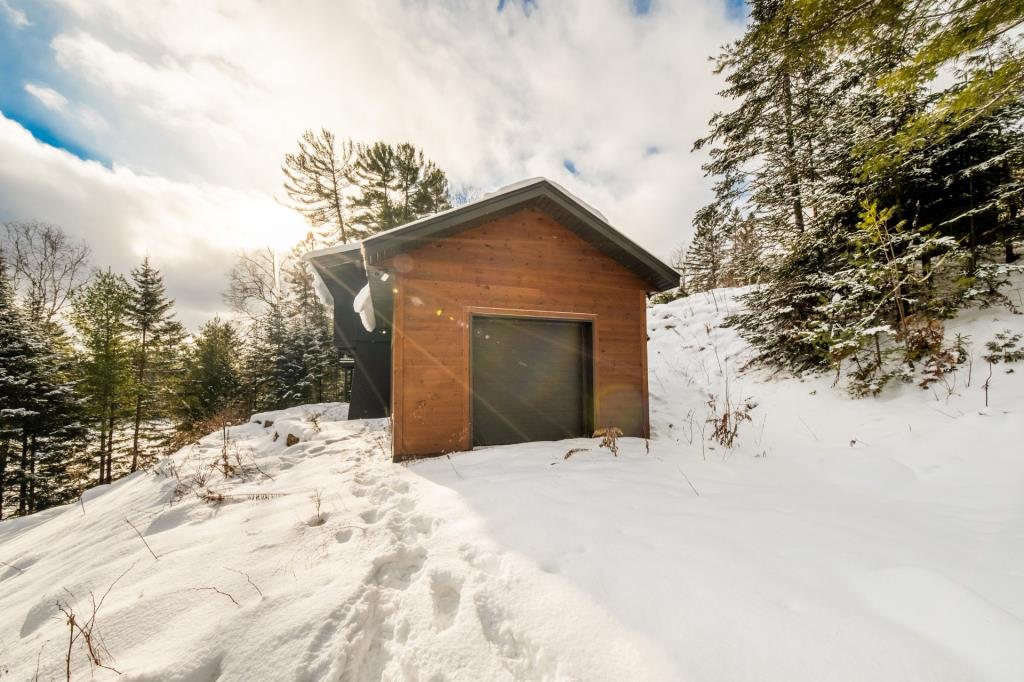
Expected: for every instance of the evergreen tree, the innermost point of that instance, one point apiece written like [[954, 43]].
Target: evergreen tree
[[157, 338], [40, 432], [309, 359], [212, 382], [765, 152], [979, 39], [866, 237], [704, 261], [396, 184], [15, 385], [101, 317], [317, 179]]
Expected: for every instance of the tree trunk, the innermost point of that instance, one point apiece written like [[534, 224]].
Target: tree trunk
[[110, 446], [32, 506], [4, 449], [1011, 256], [23, 488], [794, 178], [103, 447], [139, 388], [337, 200], [973, 237]]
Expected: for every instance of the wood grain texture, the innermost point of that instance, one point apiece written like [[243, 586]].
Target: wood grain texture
[[528, 263]]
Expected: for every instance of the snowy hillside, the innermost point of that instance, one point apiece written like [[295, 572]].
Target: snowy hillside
[[880, 539]]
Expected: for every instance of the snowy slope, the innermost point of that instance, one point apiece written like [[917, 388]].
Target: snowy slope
[[877, 539]]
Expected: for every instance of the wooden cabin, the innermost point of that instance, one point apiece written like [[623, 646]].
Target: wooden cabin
[[517, 317]]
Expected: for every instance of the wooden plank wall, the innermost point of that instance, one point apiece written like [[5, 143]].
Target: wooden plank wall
[[525, 261]]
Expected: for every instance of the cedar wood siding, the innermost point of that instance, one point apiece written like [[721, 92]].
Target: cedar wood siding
[[527, 263]]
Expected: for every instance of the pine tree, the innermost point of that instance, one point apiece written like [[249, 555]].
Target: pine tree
[[157, 338], [101, 317], [396, 184], [317, 179]]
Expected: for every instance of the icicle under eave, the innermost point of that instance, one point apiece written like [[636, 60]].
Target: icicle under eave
[[363, 304]]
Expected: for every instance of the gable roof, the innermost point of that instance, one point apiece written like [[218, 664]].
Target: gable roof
[[539, 193]]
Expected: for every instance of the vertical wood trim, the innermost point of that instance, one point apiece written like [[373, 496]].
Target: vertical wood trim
[[646, 426], [466, 340], [595, 376], [397, 369]]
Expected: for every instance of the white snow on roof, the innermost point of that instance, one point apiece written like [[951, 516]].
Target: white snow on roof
[[339, 248], [537, 180], [491, 195]]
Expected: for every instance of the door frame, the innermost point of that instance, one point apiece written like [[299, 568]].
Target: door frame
[[470, 312]]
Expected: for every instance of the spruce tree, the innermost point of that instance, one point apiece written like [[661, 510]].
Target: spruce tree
[[704, 261], [40, 431], [157, 338], [765, 152], [16, 385], [212, 381], [309, 358]]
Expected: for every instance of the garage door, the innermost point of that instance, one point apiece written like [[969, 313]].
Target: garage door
[[531, 380]]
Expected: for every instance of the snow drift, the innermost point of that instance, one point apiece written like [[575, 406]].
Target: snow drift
[[840, 540]]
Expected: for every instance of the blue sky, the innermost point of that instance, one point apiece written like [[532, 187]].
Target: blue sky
[[171, 137], [26, 57]]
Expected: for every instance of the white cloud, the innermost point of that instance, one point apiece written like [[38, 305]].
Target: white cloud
[[77, 115], [15, 16], [191, 231], [50, 98], [210, 96]]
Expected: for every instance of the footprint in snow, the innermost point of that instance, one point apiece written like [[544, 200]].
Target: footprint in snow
[[446, 595], [396, 569], [518, 654]]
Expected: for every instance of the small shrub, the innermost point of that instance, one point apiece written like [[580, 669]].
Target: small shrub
[[726, 424], [317, 500], [1004, 348], [942, 362], [609, 436], [314, 419], [922, 336]]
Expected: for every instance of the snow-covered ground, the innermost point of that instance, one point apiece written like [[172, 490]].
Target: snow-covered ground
[[880, 539]]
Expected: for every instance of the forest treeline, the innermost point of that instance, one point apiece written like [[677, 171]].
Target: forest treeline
[[97, 377], [869, 177]]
